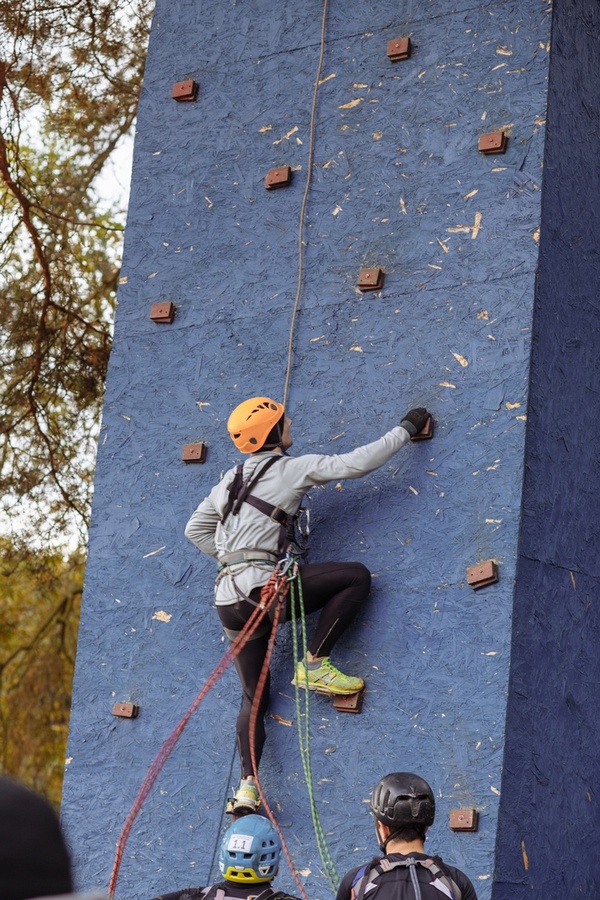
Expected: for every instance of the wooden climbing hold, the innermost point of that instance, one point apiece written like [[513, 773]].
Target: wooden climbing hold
[[162, 312], [370, 279], [464, 819], [398, 48], [351, 703], [494, 142], [426, 432], [126, 710], [482, 574], [278, 178], [194, 453], [185, 91]]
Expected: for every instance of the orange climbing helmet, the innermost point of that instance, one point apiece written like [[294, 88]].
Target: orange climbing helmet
[[251, 423]]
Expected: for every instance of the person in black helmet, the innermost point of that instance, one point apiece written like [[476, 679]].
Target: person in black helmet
[[404, 807]]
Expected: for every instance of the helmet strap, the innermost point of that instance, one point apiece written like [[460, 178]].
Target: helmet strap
[[273, 444], [393, 834], [390, 837]]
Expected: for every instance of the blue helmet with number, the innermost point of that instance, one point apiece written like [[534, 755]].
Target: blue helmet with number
[[250, 850]]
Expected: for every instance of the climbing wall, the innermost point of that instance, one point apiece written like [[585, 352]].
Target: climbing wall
[[398, 184]]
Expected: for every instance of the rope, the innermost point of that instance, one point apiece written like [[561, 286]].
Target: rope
[[260, 612], [166, 748], [278, 588], [304, 739], [311, 143]]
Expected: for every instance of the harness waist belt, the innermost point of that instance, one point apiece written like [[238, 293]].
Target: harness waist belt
[[239, 556]]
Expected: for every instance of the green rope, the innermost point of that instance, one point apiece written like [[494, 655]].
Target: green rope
[[304, 734]]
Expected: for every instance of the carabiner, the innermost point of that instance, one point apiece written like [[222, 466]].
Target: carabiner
[[285, 565]]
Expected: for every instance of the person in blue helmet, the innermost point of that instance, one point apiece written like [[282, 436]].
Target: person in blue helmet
[[404, 807], [248, 862]]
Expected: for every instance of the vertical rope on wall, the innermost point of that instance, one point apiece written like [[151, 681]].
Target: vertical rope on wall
[[311, 143]]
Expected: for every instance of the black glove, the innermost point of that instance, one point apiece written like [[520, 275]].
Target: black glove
[[415, 420]]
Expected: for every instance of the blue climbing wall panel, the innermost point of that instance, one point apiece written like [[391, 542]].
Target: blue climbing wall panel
[[397, 183], [548, 824]]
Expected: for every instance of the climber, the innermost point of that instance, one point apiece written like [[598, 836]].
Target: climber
[[248, 861], [245, 521], [404, 807]]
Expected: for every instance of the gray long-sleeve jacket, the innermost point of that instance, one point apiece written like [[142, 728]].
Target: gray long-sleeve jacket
[[283, 485]]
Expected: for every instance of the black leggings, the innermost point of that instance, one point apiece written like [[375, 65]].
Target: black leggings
[[339, 590]]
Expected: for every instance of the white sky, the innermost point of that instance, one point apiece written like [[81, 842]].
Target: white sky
[[114, 182]]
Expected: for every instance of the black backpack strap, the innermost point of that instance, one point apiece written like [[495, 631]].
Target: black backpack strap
[[240, 491], [276, 513], [234, 488], [362, 879], [446, 885], [216, 892], [251, 483], [240, 488], [440, 875]]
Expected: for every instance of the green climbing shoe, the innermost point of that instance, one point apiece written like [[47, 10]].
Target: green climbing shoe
[[323, 677]]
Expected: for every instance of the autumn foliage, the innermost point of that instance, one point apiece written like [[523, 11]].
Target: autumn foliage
[[70, 75]]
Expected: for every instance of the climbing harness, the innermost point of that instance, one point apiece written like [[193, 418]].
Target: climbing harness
[[290, 531], [363, 883], [241, 488]]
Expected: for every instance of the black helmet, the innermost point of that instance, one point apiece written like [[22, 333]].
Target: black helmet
[[402, 799]]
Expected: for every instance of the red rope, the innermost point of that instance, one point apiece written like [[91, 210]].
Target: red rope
[[163, 754], [271, 592]]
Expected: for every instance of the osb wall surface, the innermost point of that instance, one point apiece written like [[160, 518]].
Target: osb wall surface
[[397, 183]]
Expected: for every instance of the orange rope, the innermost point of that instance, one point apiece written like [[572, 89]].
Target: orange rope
[[163, 754], [271, 592]]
